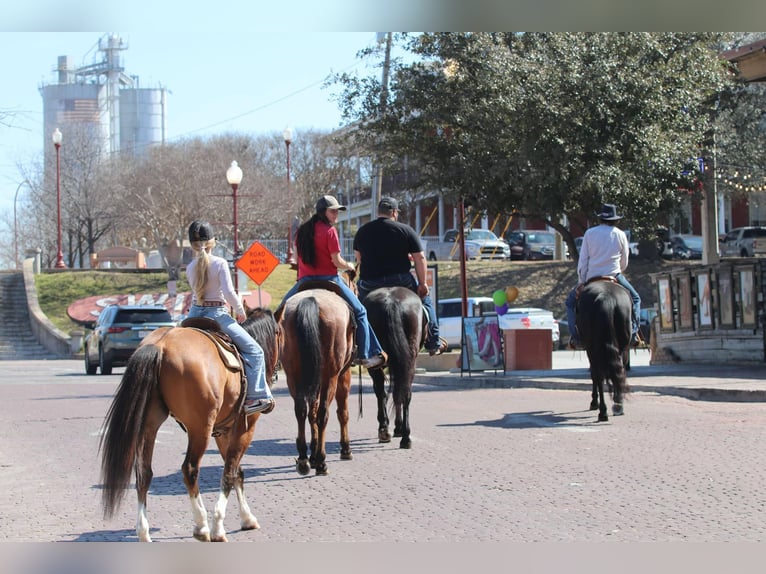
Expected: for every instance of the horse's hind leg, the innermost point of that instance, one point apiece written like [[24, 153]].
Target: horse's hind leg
[[232, 447], [319, 430], [190, 469], [302, 464], [379, 385], [341, 400], [405, 424], [594, 396], [155, 417]]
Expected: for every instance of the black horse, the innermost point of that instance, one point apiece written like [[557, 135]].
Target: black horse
[[396, 315], [603, 322]]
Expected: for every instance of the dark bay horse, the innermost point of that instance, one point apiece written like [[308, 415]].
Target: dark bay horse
[[179, 371], [318, 349], [604, 325], [396, 316]]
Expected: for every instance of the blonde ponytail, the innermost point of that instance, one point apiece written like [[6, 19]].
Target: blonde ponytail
[[202, 248]]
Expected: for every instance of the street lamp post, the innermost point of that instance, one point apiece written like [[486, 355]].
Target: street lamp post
[[234, 177], [57, 137], [288, 137]]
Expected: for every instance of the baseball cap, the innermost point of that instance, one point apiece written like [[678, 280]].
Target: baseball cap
[[329, 202], [388, 203], [200, 231]]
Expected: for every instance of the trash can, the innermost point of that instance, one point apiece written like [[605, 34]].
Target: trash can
[[528, 350]]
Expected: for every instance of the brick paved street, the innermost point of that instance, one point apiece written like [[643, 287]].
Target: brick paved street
[[488, 464]]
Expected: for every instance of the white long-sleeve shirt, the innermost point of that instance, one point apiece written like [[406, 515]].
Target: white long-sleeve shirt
[[604, 251], [219, 285]]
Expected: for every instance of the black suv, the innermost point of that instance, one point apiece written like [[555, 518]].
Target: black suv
[[118, 332]]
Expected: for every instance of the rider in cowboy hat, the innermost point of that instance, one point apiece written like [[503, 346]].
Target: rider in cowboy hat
[[604, 252]]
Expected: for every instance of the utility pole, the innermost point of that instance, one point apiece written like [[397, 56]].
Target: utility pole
[[377, 189]]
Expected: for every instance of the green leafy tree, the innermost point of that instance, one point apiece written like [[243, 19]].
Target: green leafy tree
[[548, 125]]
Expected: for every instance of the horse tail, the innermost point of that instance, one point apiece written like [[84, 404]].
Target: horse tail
[[309, 343], [396, 341], [123, 427], [606, 322]]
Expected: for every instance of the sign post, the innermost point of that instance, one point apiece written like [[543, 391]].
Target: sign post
[[258, 263]]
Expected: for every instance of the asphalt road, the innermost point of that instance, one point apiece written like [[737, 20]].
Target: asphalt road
[[487, 465]]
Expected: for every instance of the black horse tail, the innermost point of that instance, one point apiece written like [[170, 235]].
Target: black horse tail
[[309, 343], [396, 341], [121, 440], [610, 357]]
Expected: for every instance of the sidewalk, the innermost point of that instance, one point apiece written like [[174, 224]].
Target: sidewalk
[[709, 382]]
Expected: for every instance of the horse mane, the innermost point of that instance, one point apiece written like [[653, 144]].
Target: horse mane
[[261, 326]]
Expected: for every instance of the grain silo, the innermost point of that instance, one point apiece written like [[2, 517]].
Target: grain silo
[[102, 104]]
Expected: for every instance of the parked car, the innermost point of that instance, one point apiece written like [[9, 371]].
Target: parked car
[[479, 244], [118, 332], [517, 240], [531, 318], [533, 244], [744, 242], [686, 246]]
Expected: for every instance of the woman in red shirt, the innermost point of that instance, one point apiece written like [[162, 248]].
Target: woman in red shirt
[[319, 257]]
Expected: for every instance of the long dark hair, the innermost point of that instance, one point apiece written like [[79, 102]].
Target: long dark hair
[[304, 239]]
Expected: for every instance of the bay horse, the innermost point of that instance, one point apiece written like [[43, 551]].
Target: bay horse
[[179, 371], [318, 327], [396, 315], [604, 325]]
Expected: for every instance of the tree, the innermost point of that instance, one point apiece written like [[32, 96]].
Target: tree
[[548, 124]]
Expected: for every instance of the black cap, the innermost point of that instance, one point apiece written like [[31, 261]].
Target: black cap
[[388, 203], [200, 231]]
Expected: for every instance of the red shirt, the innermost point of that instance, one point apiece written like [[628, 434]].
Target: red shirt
[[326, 243]]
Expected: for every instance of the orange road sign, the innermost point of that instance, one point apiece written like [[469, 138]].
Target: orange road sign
[[258, 262]]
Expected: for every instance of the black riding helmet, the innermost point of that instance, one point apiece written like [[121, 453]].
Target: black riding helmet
[[200, 231]]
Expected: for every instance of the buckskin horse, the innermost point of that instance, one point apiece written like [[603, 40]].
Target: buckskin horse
[[318, 327], [396, 316], [180, 371], [604, 325]]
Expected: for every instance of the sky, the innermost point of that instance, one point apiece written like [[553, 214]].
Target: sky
[[222, 82]]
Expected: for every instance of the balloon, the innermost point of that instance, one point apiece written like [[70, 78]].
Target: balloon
[[501, 309], [510, 294], [499, 297]]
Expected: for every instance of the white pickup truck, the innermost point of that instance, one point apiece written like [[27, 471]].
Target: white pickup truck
[[479, 244], [449, 312]]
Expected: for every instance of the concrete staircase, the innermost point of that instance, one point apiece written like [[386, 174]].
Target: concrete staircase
[[17, 342]]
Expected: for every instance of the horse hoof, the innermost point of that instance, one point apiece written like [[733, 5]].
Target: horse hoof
[[202, 535], [221, 538], [617, 410], [405, 443], [346, 456], [250, 523], [322, 471], [302, 466], [594, 405], [397, 433], [603, 418], [384, 435]]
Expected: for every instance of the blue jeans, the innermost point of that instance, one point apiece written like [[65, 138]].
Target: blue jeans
[[366, 342], [366, 286], [571, 304], [252, 354]]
